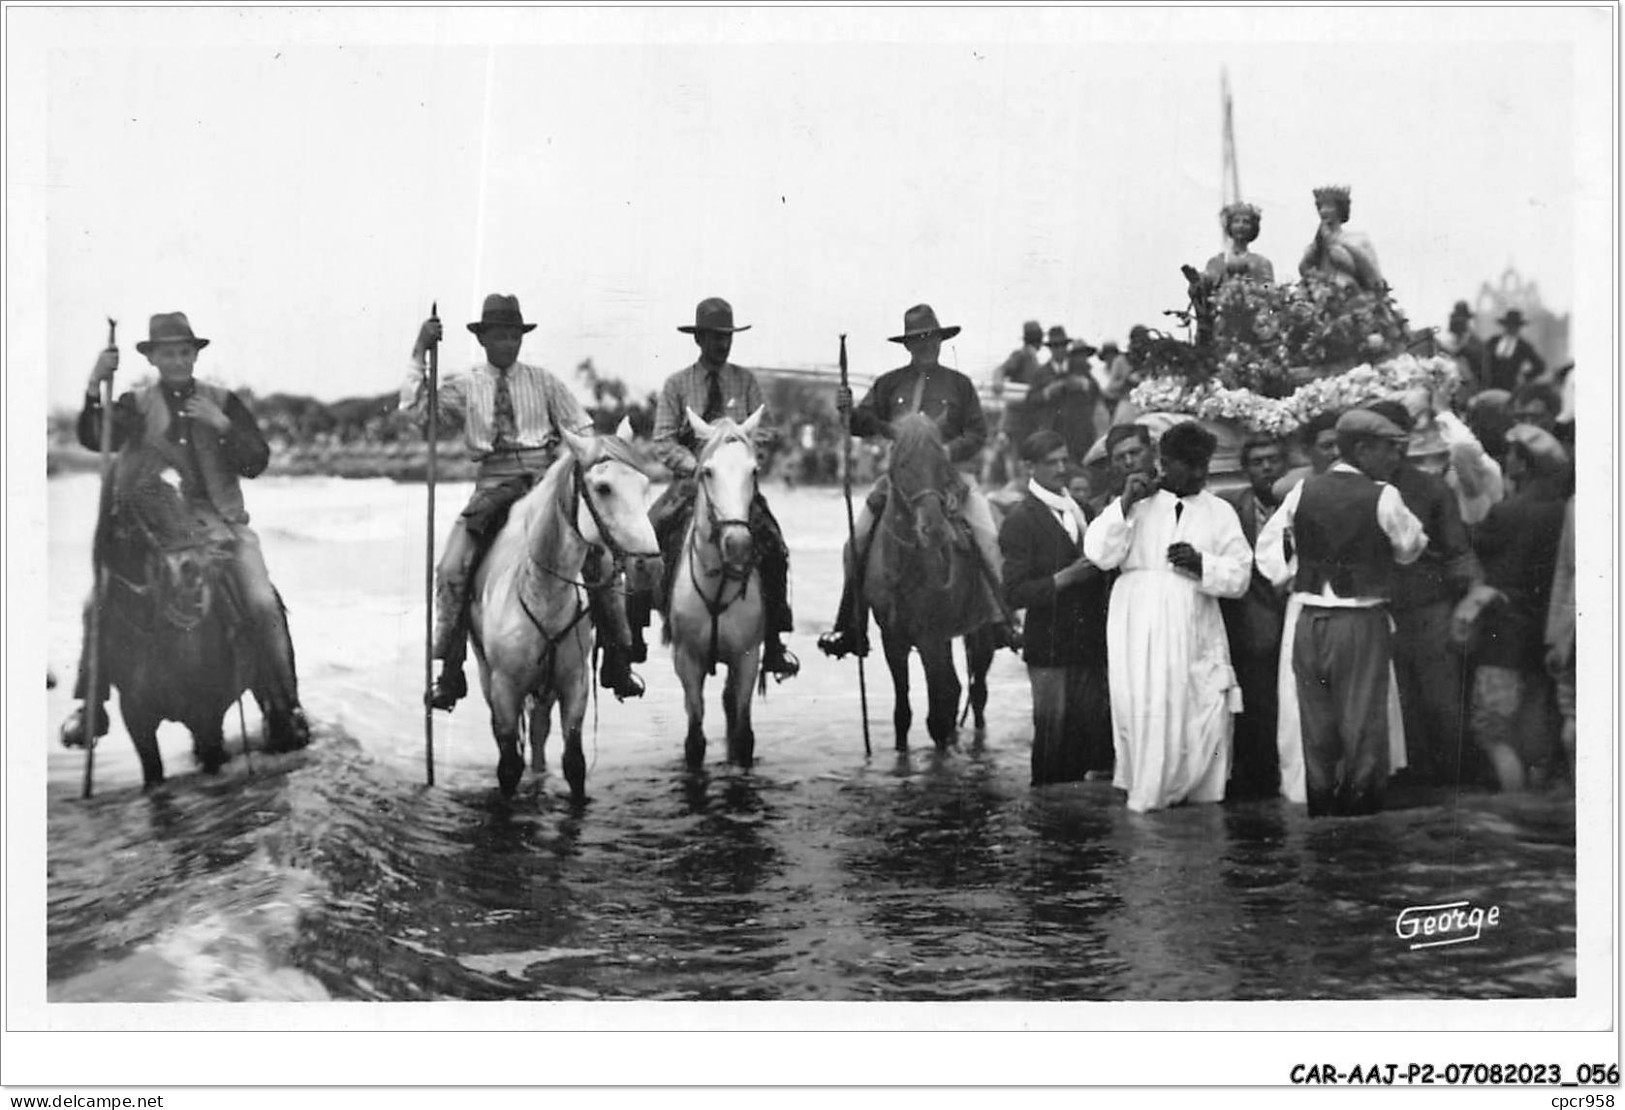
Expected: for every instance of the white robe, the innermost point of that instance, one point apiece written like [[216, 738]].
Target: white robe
[[1173, 689]]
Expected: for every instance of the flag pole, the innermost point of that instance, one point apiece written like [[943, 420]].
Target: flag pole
[[852, 537]]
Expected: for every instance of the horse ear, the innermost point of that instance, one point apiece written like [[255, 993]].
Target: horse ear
[[697, 422], [584, 448], [748, 428], [623, 431]]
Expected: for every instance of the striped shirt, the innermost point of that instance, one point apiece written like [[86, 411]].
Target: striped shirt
[[541, 405], [687, 389]]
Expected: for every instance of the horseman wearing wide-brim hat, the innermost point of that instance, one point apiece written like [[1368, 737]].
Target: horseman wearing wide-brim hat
[[211, 441], [512, 414], [713, 387], [949, 398]]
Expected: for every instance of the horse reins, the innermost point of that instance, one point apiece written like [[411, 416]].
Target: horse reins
[[726, 573]]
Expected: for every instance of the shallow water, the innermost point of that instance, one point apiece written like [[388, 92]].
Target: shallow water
[[820, 874]]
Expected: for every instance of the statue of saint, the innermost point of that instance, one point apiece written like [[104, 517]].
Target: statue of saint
[[1241, 224], [1346, 257]]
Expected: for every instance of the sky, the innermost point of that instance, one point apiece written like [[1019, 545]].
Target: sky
[[304, 183]]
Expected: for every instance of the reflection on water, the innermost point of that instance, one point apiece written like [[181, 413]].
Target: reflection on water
[[821, 874]]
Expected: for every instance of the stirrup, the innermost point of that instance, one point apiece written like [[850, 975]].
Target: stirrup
[[842, 642], [447, 690], [1008, 634], [628, 685], [780, 662], [74, 732]]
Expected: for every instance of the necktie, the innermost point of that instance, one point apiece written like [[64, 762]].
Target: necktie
[[1179, 511], [503, 427], [714, 407]]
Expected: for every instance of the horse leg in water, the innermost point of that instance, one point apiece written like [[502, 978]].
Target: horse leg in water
[[736, 695], [896, 650], [143, 729], [507, 701], [980, 647], [209, 742], [942, 690], [572, 683], [692, 676], [539, 722]]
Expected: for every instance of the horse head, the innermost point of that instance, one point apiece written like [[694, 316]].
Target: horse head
[[926, 492], [727, 485], [612, 509]]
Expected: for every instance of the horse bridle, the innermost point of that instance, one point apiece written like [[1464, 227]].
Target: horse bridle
[[617, 564], [728, 572]]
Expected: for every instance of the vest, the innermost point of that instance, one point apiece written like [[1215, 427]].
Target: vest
[[1339, 540], [219, 479]]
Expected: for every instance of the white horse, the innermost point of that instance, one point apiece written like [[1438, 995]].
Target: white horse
[[529, 607], [716, 614]]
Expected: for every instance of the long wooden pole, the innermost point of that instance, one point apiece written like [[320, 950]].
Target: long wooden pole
[[852, 538], [93, 664], [428, 562]]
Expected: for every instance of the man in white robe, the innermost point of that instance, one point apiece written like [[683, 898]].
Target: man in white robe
[[1173, 689]]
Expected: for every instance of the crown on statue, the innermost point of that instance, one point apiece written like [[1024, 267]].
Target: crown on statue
[[1332, 192], [1240, 208]]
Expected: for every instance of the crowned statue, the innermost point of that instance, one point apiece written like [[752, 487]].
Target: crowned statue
[[1345, 257], [1241, 223]]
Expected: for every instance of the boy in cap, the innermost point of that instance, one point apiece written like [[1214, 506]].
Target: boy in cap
[[212, 440], [1350, 532], [713, 388], [511, 413], [949, 398]]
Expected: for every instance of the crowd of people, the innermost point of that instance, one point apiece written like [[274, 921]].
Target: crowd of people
[[1388, 596], [1399, 600]]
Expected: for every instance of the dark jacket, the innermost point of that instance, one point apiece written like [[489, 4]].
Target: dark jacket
[[948, 397], [210, 462], [1253, 620], [1071, 415], [1447, 566], [1518, 544], [1065, 628], [1509, 373]]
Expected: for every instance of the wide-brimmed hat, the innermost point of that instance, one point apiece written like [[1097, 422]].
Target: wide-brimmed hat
[[501, 310], [1513, 319], [169, 327], [1082, 348], [921, 321], [1461, 311], [712, 314], [1110, 347], [1364, 422], [1057, 336]]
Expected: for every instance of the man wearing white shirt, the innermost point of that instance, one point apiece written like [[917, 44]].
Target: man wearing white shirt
[[1350, 530]]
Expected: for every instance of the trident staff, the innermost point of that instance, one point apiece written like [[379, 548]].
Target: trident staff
[[93, 661], [852, 534]]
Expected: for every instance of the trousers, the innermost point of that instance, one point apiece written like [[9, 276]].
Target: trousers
[[1340, 659]]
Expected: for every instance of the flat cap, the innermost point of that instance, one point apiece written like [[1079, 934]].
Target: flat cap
[[1542, 446], [1364, 422]]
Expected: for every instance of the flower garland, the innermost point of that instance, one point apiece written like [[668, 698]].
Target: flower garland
[[1208, 400]]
